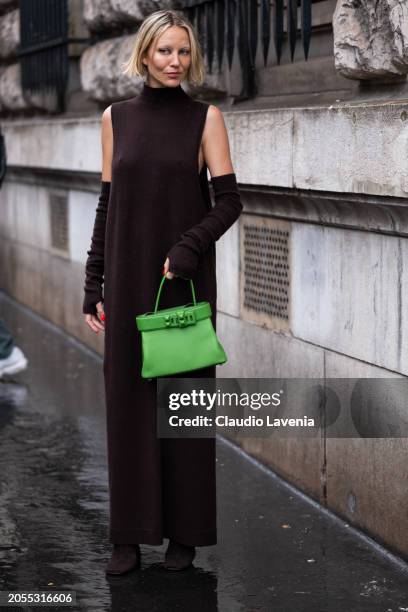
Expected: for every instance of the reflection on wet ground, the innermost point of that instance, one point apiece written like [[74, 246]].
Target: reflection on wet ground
[[53, 510]]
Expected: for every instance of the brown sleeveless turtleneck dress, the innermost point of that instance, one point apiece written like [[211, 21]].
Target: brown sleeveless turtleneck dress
[[158, 487]]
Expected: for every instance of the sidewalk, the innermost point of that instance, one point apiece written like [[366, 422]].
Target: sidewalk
[[53, 511]]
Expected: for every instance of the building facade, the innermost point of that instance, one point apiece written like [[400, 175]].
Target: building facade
[[311, 279]]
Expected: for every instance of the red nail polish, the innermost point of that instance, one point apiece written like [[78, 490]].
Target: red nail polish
[[102, 316]]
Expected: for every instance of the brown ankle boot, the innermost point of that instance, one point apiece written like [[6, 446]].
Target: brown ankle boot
[[125, 557], [178, 556]]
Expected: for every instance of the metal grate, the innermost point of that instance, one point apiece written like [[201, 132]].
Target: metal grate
[[59, 223], [43, 48], [266, 270]]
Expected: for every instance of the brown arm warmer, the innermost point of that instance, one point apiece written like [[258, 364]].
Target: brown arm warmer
[[185, 254], [94, 268]]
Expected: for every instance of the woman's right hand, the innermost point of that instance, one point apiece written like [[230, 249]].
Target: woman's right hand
[[96, 322]]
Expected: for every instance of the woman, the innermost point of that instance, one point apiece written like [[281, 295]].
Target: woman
[[155, 217]]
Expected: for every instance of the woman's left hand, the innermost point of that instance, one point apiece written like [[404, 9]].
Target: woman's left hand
[[166, 272]]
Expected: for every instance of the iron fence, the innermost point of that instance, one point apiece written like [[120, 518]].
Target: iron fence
[[43, 48], [217, 22]]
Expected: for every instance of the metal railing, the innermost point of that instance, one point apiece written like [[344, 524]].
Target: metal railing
[[43, 48], [217, 22]]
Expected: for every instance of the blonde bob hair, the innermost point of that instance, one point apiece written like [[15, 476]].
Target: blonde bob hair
[[151, 28]]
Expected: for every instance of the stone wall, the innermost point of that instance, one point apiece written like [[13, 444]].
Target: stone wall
[[371, 39]]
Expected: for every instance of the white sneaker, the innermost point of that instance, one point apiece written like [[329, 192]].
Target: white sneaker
[[15, 362]]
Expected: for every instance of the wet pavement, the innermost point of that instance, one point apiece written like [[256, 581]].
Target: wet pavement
[[53, 511]]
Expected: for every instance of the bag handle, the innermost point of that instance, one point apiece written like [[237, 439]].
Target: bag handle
[[161, 287]]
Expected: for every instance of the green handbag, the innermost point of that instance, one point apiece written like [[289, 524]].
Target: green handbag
[[178, 339]]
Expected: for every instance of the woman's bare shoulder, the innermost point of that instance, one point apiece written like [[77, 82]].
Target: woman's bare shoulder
[[106, 115], [215, 143], [214, 120]]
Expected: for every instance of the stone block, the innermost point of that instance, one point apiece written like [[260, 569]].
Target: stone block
[[342, 154], [67, 144], [10, 34], [12, 97], [261, 144], [255, 352], [371, 39], [228, 271], [101, 73], [11, 93], [367, 484], [82, 212], [349, 293], [50, 286], [101, 15]]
